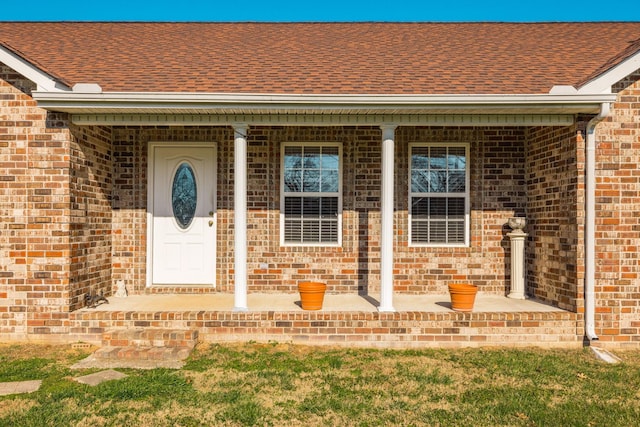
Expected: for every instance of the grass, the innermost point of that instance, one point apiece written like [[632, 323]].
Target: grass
[[286, 385]]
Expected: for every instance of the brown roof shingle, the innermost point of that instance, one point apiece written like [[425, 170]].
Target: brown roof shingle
[[324, 58]]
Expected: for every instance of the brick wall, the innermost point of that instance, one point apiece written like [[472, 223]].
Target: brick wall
[[498, 192], [363, 329], [344, 268], [91, 169], [555, 200], [34, 204], [618, 217], [13, 201], [55, 210], [129, 240], [355, 266]]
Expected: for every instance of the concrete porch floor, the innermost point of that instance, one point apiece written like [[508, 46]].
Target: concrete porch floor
[[332, 303]]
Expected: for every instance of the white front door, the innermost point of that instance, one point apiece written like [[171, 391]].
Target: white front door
[[183, 215]]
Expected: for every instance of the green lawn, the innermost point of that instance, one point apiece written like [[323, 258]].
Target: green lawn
[[286, 385]]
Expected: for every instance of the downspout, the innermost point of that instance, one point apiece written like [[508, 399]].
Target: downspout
[[590, 224]]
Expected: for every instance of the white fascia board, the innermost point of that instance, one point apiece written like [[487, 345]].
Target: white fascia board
[[603, 83], [45, 82], [175, 101]]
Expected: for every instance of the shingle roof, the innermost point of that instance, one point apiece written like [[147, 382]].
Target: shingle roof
[[324, 58]]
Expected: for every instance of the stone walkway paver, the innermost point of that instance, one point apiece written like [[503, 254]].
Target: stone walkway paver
[[93, 361], [100, 377], [17, 387]]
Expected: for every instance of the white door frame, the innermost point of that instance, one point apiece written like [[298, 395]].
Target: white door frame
[[150, 199]]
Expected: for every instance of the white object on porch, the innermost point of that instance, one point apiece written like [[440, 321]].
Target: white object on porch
[[121, 291], [517, 237]]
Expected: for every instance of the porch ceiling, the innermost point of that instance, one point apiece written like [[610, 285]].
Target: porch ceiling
[[325, 119]]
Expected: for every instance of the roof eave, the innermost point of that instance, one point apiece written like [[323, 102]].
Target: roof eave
[[44, 80], [222, 103], [603, 82]]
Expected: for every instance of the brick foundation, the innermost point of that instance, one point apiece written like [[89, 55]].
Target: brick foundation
[[369, 329]]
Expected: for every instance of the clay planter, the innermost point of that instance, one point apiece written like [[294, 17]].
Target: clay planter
[[311, 295], [462, 296]]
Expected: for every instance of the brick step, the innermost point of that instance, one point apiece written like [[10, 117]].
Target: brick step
[[150, 337], [141, 353]]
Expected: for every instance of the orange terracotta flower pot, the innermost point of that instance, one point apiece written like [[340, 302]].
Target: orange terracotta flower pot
[[463, 296], [311, 295]]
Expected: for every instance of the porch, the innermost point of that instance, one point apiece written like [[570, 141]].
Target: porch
[[419, 320]]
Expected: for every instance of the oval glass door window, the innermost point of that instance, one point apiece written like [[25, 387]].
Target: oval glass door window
[[184, 195]]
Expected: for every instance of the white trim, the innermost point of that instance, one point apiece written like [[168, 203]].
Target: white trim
[[318, 194], [46, 83], [160, 103], [150, 199], [150, 188], [87, 88], [467, 195], [590, 223], [602, 83], [324, 119], [387, 193], [240, 216], [175, 99]]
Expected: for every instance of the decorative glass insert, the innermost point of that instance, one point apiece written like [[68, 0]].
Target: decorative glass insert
[[184, 195]]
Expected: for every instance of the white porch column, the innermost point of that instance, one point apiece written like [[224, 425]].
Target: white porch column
[[386, 211], [240, 216], [517, 237]]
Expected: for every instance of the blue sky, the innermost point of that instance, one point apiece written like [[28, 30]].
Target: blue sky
[[323, 10]]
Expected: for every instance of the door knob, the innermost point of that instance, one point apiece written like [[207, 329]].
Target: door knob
[[210, 223]]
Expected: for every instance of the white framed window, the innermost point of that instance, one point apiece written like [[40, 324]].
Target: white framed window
[[439, 194], [311, 189]]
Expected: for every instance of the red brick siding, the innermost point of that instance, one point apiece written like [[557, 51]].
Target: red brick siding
[[54, 198], [618, 217], [130, 159], [355, 266], [498, 192], [496, 166], [34, 205], [554, 214], [129, 209], [91, 212], [342, 268], [364, 329], [14, 106]]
